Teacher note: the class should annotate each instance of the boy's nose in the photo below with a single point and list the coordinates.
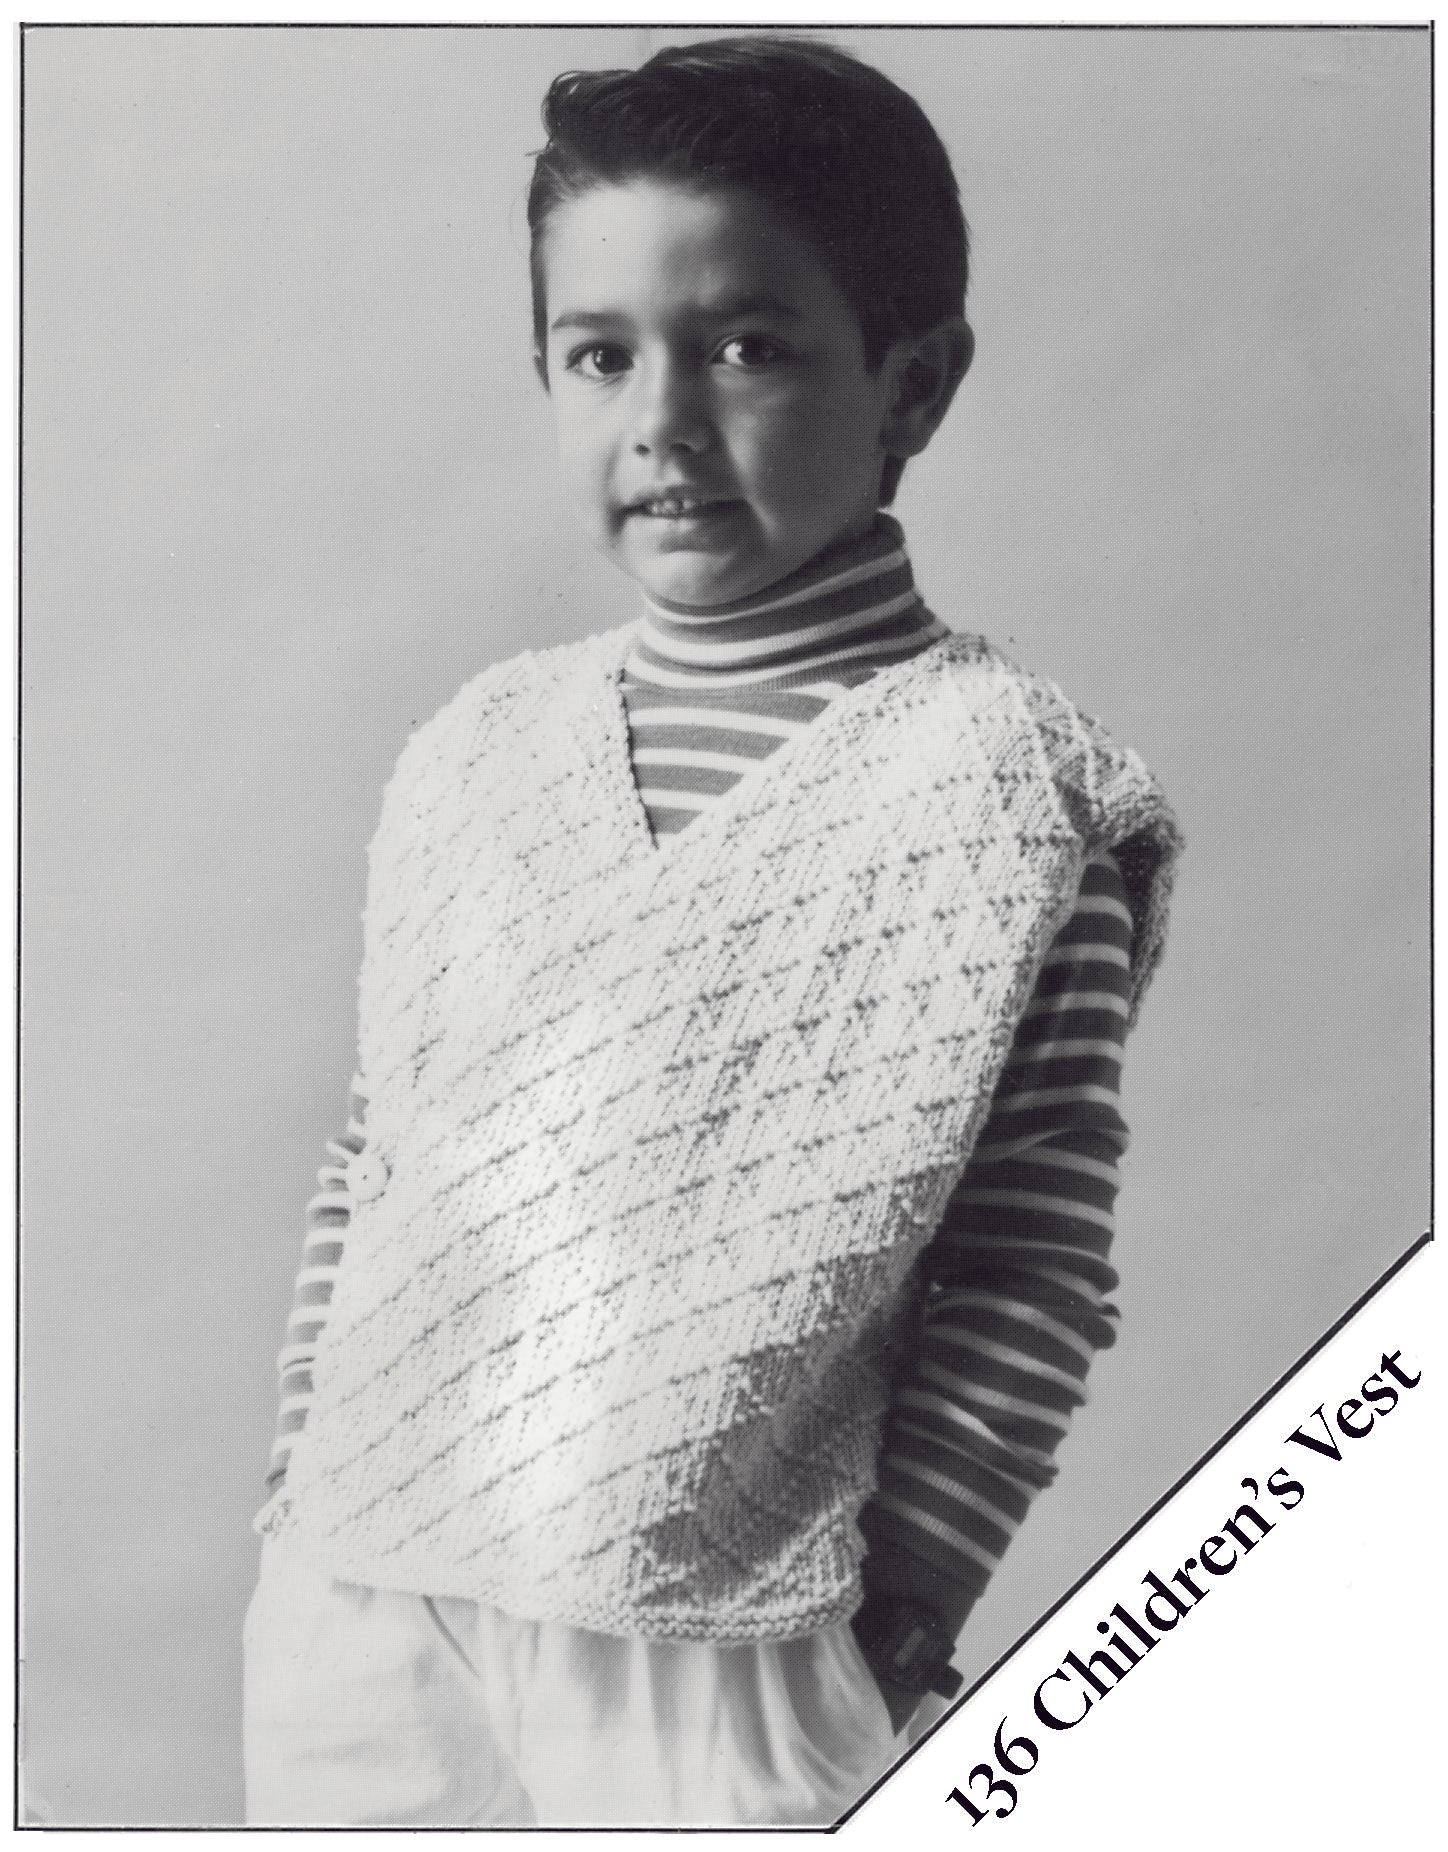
(670, 415)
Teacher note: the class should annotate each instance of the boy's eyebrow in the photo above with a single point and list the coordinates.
(725, 310)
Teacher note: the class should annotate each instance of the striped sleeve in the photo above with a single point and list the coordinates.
(328, 1217)
(1018, 1281)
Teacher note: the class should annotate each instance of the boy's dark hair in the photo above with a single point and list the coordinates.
(825, 140)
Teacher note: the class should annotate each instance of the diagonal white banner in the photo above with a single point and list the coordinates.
(1256, 1663)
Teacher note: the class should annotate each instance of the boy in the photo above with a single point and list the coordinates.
(741, 1020)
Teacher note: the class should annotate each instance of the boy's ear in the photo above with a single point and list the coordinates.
(925, 373)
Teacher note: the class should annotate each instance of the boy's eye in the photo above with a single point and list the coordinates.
(604, 360)
(750, 350)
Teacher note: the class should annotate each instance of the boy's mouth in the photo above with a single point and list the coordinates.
(681, 507)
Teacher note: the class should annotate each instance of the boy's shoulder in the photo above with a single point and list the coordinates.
(1079, 750)
(1110, 796)
(490, 694)
(508, 698)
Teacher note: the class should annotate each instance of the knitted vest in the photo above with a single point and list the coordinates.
(665, 1129)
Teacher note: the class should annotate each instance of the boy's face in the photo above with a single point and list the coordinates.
(716, 422)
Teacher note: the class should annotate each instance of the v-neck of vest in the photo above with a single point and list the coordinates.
(617, 758)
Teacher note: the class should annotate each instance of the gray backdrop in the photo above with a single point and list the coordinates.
(287, 483)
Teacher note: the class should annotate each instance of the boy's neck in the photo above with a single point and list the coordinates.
(853, 605)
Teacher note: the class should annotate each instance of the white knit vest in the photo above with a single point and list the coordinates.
(666, 1129)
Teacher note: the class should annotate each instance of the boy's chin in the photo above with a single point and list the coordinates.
(700, 589)
(704, 578)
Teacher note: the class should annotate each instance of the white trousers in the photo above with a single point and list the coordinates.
(369, 1707)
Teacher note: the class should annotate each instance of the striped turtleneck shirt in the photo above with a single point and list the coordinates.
(1016, 1281)
(712, 693)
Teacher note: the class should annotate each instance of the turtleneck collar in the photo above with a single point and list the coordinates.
(856, 599)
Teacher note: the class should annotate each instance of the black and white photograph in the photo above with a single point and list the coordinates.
(724, 841)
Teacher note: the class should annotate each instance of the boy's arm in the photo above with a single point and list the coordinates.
(328, 1217)
(1016, 1298)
